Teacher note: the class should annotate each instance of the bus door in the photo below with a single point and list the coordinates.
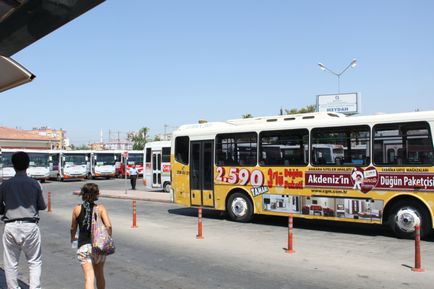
(202, 173)
(156, 169)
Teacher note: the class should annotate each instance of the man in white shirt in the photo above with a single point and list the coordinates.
(133, 176)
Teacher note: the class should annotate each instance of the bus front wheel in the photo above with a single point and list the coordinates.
(405, 215)
(239, 207)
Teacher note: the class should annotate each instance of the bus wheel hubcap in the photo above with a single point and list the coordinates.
(239, 207)
(406, 219)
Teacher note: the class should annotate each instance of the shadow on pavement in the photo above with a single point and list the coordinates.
(3, 281)
(315, 225)
(192, 212)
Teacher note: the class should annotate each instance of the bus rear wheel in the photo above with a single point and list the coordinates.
(405, 215)
(239, 207)
(166, 187)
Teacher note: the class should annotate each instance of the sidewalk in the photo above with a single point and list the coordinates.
(138, 195)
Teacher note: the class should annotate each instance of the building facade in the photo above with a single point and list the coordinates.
(22, 139)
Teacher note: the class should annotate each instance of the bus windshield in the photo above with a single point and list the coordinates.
(136, 159)
(38, 160)
(104, 159)
(75, 159)
(7, 159)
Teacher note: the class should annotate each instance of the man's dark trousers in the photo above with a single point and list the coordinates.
(133, 180)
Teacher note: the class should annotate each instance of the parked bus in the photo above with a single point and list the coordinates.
(156, 172)
(226, 166)
(135, 157)
(103, 164)
(68, 165)
(39, 167)
(7, 169)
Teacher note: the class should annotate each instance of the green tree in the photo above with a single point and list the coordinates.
(247, 115)
(157, 138)
(308, 108)
(139, 138)
(81, 147)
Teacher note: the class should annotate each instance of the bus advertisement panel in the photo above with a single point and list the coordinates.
(365, 169)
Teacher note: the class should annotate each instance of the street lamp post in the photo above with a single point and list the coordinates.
(352, 64)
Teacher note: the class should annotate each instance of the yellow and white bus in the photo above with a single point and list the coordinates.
(367, 169)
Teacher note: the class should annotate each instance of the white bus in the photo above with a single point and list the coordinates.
(38, 166)
(103, 164)
(135, 158)
(376, 169)
(156, 168)
(7, 169)
(68, 165)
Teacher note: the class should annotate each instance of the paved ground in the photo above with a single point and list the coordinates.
(162, 253)
(139, 195)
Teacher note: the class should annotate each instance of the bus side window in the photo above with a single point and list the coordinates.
(400, 157)
(182, 149)
(236, 149)
(402, 143)
(391, 157)
(284, 147)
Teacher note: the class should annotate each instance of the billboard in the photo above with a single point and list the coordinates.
(346, 103)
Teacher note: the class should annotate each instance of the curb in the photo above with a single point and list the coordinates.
(129, 197)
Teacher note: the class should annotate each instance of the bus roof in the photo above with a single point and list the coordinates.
(297, 121)
(25, 150)
(157, 144)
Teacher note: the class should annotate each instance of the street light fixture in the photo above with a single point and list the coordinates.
(352, 64)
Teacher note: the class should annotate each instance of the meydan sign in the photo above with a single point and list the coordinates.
(346, 103)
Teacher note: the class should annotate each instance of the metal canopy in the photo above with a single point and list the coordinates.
(23, 22)
(12, 74)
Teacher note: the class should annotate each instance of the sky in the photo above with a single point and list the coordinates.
(159, 64)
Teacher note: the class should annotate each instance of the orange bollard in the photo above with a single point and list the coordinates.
(199, 224)
(134, 215)
(417, 262)
(49, 203)
(290, 248)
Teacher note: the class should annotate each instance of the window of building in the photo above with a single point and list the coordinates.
(403, 144)
(284, 148)
(341, 146)
(237, 149)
